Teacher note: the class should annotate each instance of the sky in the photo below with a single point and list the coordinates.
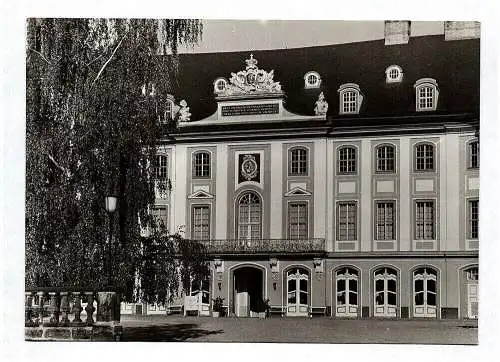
(235, 35)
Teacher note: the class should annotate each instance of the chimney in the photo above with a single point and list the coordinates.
(397, 32)
(457, 30)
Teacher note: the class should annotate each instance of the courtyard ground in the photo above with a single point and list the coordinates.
(296, 330)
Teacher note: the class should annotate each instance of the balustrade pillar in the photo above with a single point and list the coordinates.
(40, 308)
(77, 307)
(89, 308)
(54, 308)
(28, 308)
(65, 309)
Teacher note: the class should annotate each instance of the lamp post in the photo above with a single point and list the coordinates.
(111, 202)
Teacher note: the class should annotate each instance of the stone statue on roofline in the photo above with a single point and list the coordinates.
(184, 114)
(321, 105)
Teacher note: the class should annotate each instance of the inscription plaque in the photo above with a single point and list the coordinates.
(250, 109)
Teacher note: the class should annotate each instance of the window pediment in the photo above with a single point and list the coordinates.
(200, 194)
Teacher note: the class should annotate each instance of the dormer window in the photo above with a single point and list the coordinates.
(394, 74)
(426, 93)
(312, 80)
(350, 98)
(169, 111)
(220, 85)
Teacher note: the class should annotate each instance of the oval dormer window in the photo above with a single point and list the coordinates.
(312, 80)
(220, 85)
(394, 74)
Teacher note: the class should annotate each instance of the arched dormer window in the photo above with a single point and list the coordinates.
(350, 98)
(426, 94)
(393, 74)
(220, 85)
(297, 162)
(312, 80)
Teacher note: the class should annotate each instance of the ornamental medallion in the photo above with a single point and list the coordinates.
(249, 167)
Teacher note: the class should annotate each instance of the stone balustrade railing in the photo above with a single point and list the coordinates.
(56, 314)
(59, 308)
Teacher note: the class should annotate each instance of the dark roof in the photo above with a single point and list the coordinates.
(453, 64)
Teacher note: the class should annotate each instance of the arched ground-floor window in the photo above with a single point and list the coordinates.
(297, 291)
(346, 292)
(385, 292)
(425, 292)
(470, 292)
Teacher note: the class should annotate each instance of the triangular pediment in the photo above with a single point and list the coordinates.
(200, 194)
(297, 191)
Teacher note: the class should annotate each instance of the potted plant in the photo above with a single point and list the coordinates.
(217, 307)
(263, 308)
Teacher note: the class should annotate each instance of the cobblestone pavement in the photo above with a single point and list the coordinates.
(297, 330)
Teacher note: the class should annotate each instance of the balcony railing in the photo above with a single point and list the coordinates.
(265, 246)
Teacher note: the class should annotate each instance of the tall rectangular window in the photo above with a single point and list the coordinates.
(201, 164)
(161, 167)
(424, 157)
(298, 162)
(424, 220)
(385, 158)
(473, 216)
(349, 102)
(346, 221)
(201, 223)
(425, 98)
(347, 160)
(160, 218)
(474, 155)
(297, 221)
(385, 217)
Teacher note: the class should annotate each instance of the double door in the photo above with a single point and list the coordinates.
(297, 292)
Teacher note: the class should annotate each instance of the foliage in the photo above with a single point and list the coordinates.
(217, 305)
(94, 95)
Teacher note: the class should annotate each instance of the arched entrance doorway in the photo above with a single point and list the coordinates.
(248, 289)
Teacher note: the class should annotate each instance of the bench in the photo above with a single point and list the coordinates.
(321, 311)
(277, 309)
(178, 309)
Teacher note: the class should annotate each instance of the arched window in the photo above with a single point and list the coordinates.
(426, 93)
(249, 216)
(385, 158)
(385, 292)
(350, 98)
(201, 165)
(161, 168)
(424, 292)
(346, 160)
(424, 157)
(346, 289)
(297, 165)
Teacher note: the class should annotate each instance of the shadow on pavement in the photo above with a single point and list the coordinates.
(165, 333)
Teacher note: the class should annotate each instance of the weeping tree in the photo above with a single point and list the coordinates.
(95, 90)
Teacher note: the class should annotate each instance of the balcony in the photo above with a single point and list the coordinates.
(265, 246)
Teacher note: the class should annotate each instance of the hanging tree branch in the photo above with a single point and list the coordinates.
(40, 54)
(105, 64)
(64, 170)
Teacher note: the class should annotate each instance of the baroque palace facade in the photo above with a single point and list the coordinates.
(344, 182)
